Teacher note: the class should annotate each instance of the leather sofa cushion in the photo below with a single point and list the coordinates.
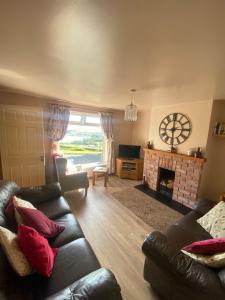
(203, 206)
(189, 219)
(178, 236)
(37, 194)
(55, 208)
(73, 261)
(71, 232)
(186, 231)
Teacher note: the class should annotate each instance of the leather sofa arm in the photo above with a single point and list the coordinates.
(38, 194)
(157, 249)
(203, 206)
(98, 285)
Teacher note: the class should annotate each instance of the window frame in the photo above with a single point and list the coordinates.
(83, 122)
(83, 119)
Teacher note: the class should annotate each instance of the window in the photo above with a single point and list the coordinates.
(83, 143)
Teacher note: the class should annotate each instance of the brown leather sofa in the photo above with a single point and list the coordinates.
(77, 273)
(174, 275)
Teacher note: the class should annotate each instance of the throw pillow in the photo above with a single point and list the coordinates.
(39, 221)
(20, 203)
(15, 256)
(37, 250)
(213, 261)
(214, 221)
(210, 246)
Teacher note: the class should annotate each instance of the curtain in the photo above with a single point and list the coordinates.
(107, 128)
(57, 123)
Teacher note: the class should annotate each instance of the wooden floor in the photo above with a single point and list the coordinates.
(116, 236)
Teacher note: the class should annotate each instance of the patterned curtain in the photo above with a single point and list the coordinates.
(58, 122)
(58, 119)
(107, 128)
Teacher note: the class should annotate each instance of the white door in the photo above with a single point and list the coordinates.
(22, 144)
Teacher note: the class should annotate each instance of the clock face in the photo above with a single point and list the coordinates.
(175, 129)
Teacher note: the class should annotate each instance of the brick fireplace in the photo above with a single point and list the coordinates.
(187, 170)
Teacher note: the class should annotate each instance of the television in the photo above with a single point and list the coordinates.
(129, 151)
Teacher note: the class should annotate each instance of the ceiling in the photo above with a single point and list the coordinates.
(94, 51)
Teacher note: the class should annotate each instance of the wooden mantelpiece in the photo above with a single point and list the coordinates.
(187, 170)
(183, 156)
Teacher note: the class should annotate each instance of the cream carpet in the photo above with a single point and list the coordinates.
(151, 211)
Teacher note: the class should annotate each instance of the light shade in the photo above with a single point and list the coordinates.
(130, 113)
(131, 109)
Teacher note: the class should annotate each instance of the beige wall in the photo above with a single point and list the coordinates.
(199, 114)
(141, 128)
(122, 130)
(213, 179)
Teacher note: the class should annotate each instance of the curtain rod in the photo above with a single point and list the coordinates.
(84, 108)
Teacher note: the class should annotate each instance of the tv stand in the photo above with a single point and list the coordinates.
(129, 168)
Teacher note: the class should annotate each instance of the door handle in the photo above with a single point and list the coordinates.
(42, 157)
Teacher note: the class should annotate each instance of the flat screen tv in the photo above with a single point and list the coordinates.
(129, 151)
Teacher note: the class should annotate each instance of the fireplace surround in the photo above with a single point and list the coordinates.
(187, 170)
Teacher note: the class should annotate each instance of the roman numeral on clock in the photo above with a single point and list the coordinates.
(178, 140)
(166, 139)
(168, 118)
(184, 123)
(175, 117)
(183, 136)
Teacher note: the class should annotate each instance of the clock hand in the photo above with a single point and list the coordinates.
(173, 131)
(174, 128)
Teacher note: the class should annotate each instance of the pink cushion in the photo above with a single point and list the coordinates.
(210, 246)
(36, 250)
(39, 221)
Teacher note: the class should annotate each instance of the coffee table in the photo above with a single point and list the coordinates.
(100, 172)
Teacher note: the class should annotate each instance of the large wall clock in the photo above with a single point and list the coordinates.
(175, 129)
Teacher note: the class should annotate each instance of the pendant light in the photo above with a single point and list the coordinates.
(131, 109)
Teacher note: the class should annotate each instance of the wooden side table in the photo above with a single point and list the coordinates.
(100, 171)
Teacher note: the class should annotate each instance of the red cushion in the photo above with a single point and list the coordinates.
(10, 212)
(210, 246)
(39, 221)
(36, 250)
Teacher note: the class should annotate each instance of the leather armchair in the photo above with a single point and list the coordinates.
(72, 181)
(174, 275)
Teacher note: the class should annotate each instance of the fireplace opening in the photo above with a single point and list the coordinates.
(165, 182)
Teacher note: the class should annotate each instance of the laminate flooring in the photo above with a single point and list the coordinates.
(116, 235)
